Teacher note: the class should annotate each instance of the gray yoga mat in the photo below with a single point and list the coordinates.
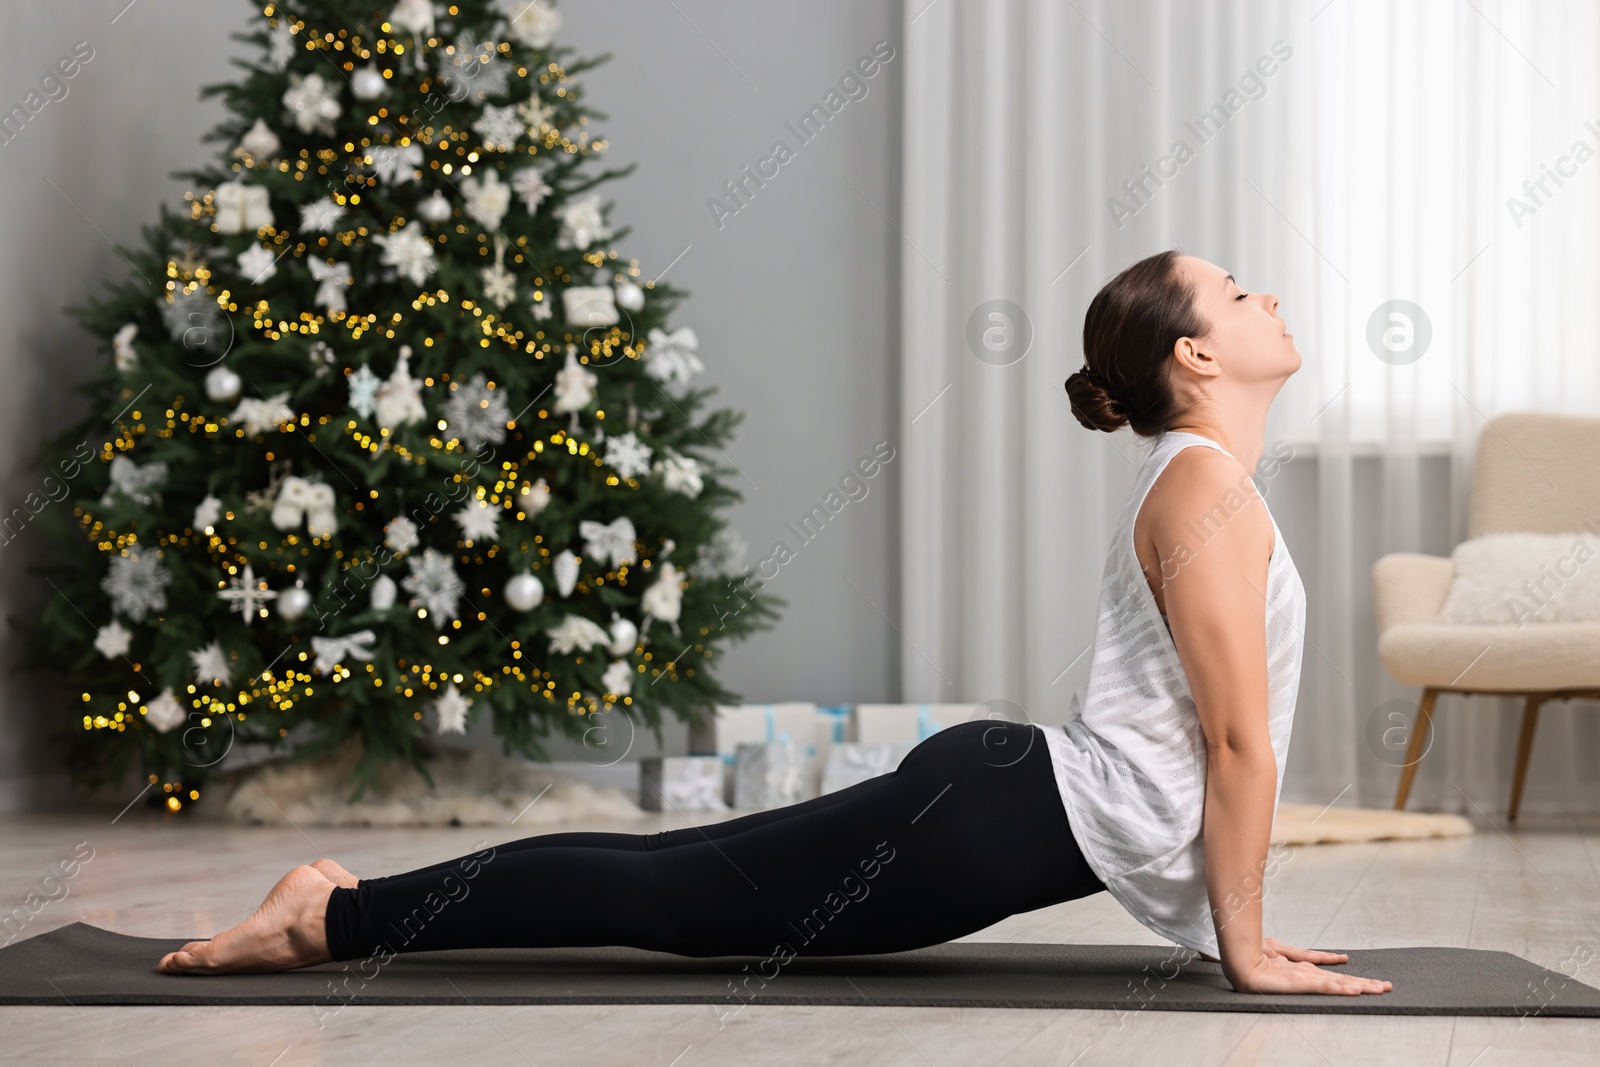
(82, 964)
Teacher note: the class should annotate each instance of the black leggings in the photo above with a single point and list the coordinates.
(968, 830)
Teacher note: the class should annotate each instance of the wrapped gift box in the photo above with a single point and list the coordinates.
(813, 727)
(681, 783)
(769, 774)
(735, 723)
(835, 724)
(851, 762)
(878, 723)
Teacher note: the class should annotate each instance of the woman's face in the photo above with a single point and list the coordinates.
(1246, 335)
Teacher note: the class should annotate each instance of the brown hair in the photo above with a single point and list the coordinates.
(1129, 331)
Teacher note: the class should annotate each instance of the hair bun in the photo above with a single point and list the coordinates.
(1092, 403)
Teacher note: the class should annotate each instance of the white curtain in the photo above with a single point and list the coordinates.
(1342, 155)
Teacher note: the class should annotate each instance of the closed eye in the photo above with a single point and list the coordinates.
(1241, 296)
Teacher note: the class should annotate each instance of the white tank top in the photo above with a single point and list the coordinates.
(1130, 761)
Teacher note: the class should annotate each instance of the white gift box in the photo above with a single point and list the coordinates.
(769, 774)
(914, 723)
(736, 723)
(681, 783)
(811, 726)
(852, 762)
(589, 305)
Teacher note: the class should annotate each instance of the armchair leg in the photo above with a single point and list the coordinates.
(1415, 748)
(1530, 720)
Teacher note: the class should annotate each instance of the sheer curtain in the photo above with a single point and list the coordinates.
(1435, 161)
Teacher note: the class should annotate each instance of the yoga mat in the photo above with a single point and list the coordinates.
(82, 964)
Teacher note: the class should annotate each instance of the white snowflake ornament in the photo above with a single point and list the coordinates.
(499, 127)
(257, 264)
(164, 712)
(281, 45)
(478, 522)
(312, 102)
(575, 631)
(618, 678)
(400, 535)
(396, 164)
(581, 222)
(364, 386)
(409, 252)
(627, 455)
(247, 594)
(320, 215)
(531, 22)
(434, 585)
(451, 709)
(476, 413)
(470, 67)
(136, 584)
(211, 665)
(529, 184)
(536, 113)
(680, 473)
(113, 640)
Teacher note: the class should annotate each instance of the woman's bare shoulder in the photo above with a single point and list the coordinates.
(1199, 493)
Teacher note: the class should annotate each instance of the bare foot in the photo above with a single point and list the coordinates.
(287, 931)
(336, 874)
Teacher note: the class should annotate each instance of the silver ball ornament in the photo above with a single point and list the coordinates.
(629, 296)
(435, 209)
(624, 635)
(222, 384)
(368, 84)
(293, 602)
(524, 592)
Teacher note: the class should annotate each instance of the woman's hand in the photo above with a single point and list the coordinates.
(1286, 969)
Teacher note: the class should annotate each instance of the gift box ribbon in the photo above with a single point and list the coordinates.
(840, 713)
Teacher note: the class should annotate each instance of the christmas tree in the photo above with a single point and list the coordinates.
(388, 437)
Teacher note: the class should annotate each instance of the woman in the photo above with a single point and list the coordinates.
(1160, 788)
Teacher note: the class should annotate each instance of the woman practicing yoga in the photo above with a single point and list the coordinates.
(1159, 789)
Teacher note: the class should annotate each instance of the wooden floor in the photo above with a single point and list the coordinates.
(1533, 890)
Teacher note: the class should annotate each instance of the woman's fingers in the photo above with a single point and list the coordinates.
(1273, 947)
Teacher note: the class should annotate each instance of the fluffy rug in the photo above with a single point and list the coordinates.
(472, 787)
(1310, 824)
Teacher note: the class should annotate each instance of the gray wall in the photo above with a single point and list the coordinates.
(794, 297)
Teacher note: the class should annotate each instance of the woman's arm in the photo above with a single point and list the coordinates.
(1214, 591)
